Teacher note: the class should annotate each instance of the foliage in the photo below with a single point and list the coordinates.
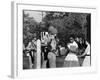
(68, 24)
(29, 28)
(64, 24)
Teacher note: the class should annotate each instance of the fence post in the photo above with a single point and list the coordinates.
(38, 57)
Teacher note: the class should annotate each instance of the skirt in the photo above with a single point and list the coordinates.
(71, 60)
(86, 61)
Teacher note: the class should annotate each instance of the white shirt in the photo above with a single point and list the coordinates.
(53, 44)
(87, 50)
(72, 44)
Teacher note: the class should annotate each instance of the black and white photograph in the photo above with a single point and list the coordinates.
(55, 39)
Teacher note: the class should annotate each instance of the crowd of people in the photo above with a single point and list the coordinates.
(76, 51)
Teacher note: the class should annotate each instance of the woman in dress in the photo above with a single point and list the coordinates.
(81, 48)
(87, 59)
(71, 59)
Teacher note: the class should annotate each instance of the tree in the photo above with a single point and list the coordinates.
(29, 28)
(68, 23)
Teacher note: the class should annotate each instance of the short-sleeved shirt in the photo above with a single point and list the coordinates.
(73, 46)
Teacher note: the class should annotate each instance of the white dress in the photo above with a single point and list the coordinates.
(86, 61)
(71, 59)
